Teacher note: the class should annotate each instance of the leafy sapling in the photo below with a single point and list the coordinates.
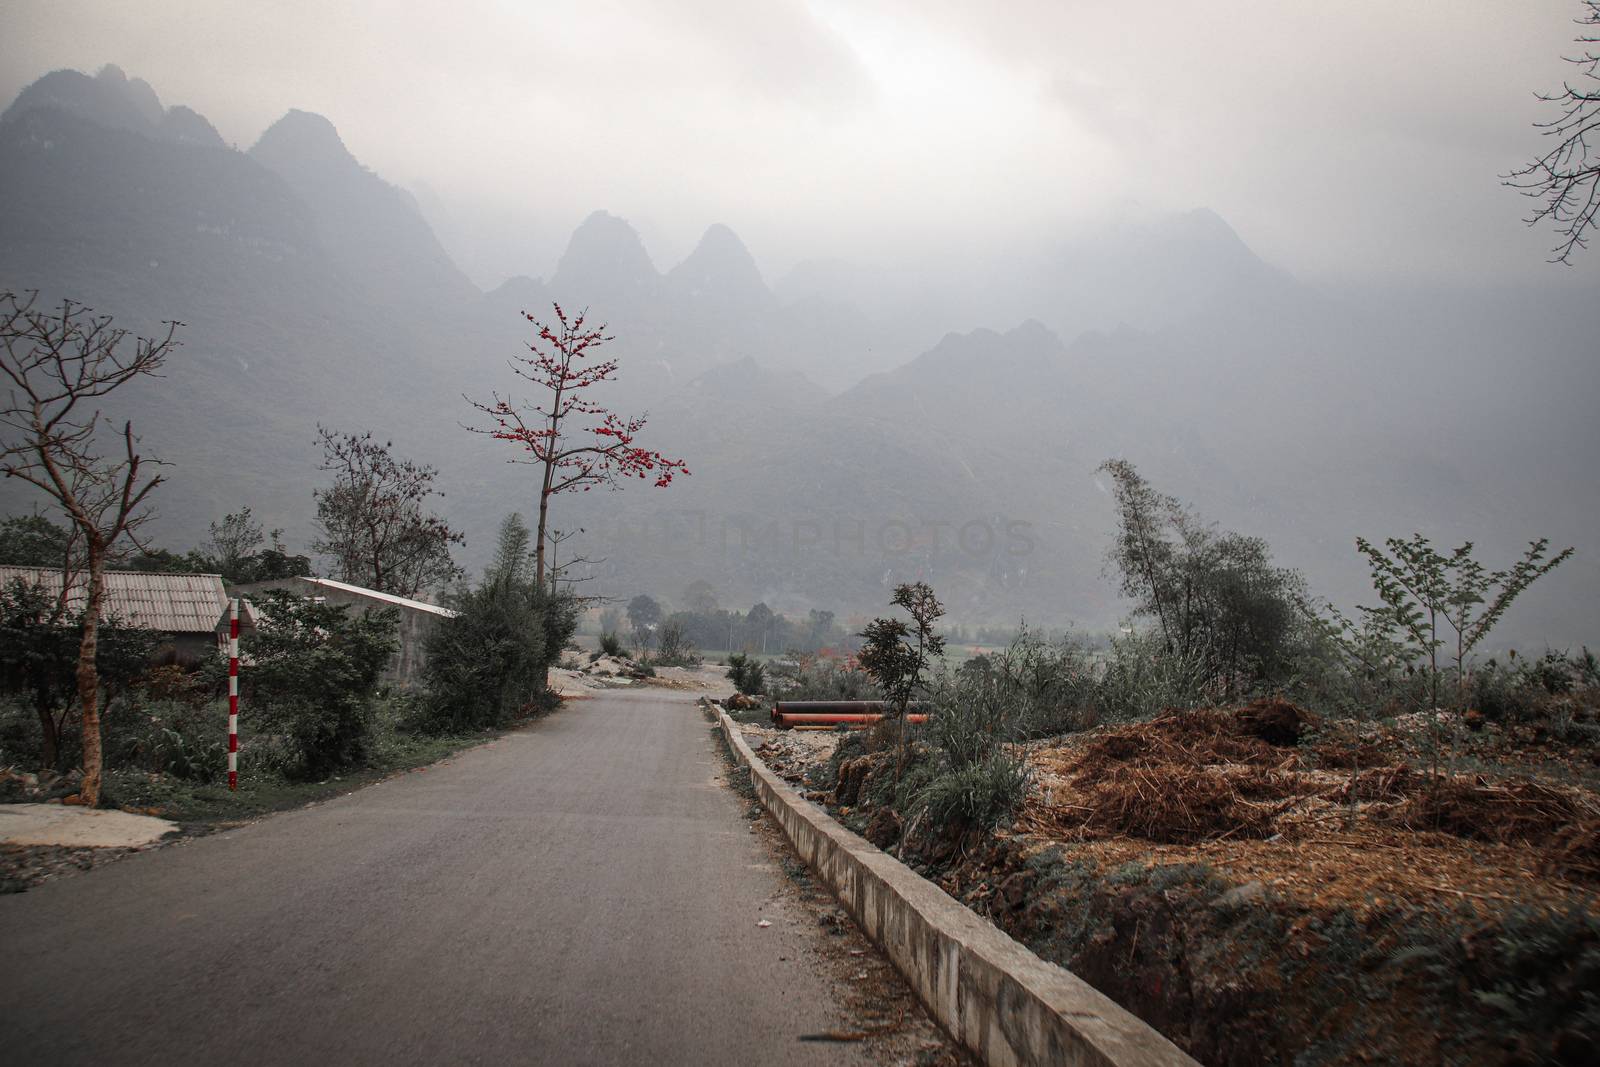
(897, 656)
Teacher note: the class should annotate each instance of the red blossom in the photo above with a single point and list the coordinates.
(599, 453)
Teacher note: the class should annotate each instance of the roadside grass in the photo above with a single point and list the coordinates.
(263, 791)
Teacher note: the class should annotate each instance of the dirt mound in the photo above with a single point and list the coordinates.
(1255, 735)
(1275, 721)
(1176, 803)
(1515, 812)
(1379, 783)
(1343, 754)
(1186, 776)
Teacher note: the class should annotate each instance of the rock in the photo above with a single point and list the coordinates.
(1241, 896)
(853, 774)
(1013, 892)
(883, 829)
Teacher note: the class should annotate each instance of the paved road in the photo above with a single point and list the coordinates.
(581, 891)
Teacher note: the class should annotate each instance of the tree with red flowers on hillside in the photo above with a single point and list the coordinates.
(577, 443)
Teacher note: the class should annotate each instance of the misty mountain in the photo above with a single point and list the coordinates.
(720, 273)
(373, 230)
(847, 427)
(114, 100)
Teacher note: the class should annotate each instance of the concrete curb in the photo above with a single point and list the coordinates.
(994, 996)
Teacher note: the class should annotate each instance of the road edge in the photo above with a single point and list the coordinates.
(991, 993)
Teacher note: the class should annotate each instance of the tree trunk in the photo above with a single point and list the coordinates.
(89, 681)
(50, 749)
(544, 517)
(538, 565)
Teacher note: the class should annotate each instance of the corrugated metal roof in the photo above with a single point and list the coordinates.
(171, 603)
(386, 598)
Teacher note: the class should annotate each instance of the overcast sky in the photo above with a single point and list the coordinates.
(1356, 138)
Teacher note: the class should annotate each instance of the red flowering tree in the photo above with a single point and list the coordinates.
(577, 443)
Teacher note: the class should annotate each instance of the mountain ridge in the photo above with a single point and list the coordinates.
(834, 451)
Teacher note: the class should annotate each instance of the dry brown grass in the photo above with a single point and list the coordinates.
(1213, 778)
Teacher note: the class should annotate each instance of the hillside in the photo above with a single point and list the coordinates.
(837, 445)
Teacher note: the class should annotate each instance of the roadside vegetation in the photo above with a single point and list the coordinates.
(93, 712)
(316, 714)
(1275, 833)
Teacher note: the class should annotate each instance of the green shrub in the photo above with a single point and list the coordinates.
(19, 733)
(981, 794)
(183, 738)
(1142, 678)
(558, 614)
(312, 676)
(1037, 688)
(611, 644)
(818, 678)
(1526, 689)
(1218, 602)
(39, 662)
(673, 647)
(747, 674)
(486, 667)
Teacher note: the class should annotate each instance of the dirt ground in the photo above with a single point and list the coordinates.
(1204, 787)
(578, 675)
(1267, 888)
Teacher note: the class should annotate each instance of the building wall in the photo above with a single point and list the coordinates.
(405, 666)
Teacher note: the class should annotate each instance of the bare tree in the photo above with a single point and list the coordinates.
(558, 569)
(1565, 180)
(57, 365)
(372, 520)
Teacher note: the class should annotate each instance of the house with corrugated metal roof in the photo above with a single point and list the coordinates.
(184, 608)
(417, 617)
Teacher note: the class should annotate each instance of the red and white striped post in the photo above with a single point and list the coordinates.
(233, 693)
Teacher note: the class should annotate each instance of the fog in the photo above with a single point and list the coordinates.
(1352, 141)
(1168, 402)
(886, 267)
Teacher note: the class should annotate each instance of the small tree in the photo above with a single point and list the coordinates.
(897, 656)
(1420, 588)
(1216, 596)
(570, 459)
(673, 647)
(643, 615)
(234, 540)
(488, 664)
(57, 366)
(1565, 180)
(747, 674)
(314, 671)
(35, 541)
(1142, 552)
(372, 521)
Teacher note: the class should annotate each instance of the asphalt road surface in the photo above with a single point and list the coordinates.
(582, 891)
